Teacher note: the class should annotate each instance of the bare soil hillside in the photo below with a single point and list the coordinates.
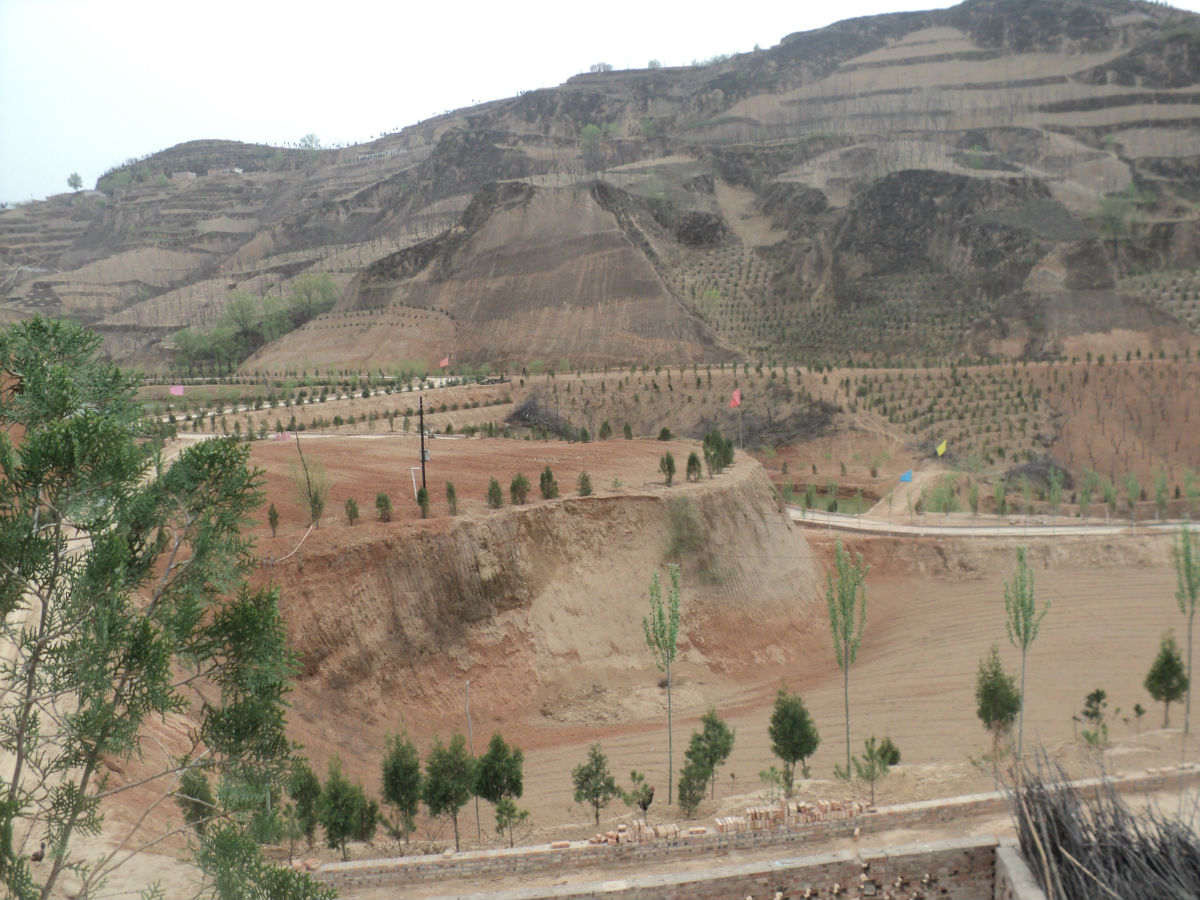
(562, 274)
(540, 609)
(978, 181)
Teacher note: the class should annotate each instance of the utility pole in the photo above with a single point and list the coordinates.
(471, 739)
(424, 453)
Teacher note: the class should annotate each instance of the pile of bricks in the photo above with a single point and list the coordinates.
(732, 824)
(788, 814)
(638, 833)
(822, 810)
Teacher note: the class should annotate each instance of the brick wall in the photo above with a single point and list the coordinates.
(952, 870)
(578, 855)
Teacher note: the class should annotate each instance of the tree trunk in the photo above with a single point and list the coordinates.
(670, 740)
(846, 697)
(1187, 703)
(1021, 713)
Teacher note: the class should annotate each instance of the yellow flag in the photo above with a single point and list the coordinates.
(941, 448)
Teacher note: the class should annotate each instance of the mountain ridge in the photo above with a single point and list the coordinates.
(888, 186)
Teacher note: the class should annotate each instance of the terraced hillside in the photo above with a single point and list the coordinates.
(1004, 177)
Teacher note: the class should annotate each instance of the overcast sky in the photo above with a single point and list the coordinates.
(86, 84)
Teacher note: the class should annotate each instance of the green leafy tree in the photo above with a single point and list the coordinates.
(401, 777)
(793, 734)
(74, 182)
(498, 773)
(1167, 680)
(547, 484)
(874, 764)
(1162, 496)
(195, 799)
(1054, 491)
(1187, 570)
(518, 489)
(235, 867)
(495, 497)
(449, 777)
(423, 502)
(693, 779)
(344, 810)
(304, 787)
(1111, 499)
(584, 484)
(1090, 482)
(605, 430)
(889, 752)
(640, 793)
(351, 510)
(499, 778)
(710, 747)
(661, 629)
(718, 452)
(694, 470)
(627, 431)
(508, 817)
(997, 699)
(273, 519)
(451, 498)
(383, 507)
(592, 143)
(666, 465)
(846, 597)
(312, 486)
(311, 295)
(594, 784)
(1133, 493)
(1022, 621)
(123, 599)
(1095, 710)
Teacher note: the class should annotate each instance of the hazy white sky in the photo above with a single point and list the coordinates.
(85, 84)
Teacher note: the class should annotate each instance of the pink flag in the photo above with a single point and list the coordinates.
(177, 390)
(736, 399)
(445, 362)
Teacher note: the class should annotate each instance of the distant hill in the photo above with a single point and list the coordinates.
(1004, 177)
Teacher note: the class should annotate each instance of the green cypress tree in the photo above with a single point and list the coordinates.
(401, 779)
(996, 697)
(794, 736)
(449, 777)
(1167, 679)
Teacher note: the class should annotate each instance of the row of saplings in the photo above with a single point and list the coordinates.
(794, 738)
(451, 776)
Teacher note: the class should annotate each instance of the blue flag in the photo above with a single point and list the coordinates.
(907, 476)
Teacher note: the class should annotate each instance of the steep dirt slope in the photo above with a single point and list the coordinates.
(540, 607)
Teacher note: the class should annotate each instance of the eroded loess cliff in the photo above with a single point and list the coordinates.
(535, 606)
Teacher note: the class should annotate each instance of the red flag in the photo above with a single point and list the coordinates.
(177, 390)
(736, 399)
(445, 362)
